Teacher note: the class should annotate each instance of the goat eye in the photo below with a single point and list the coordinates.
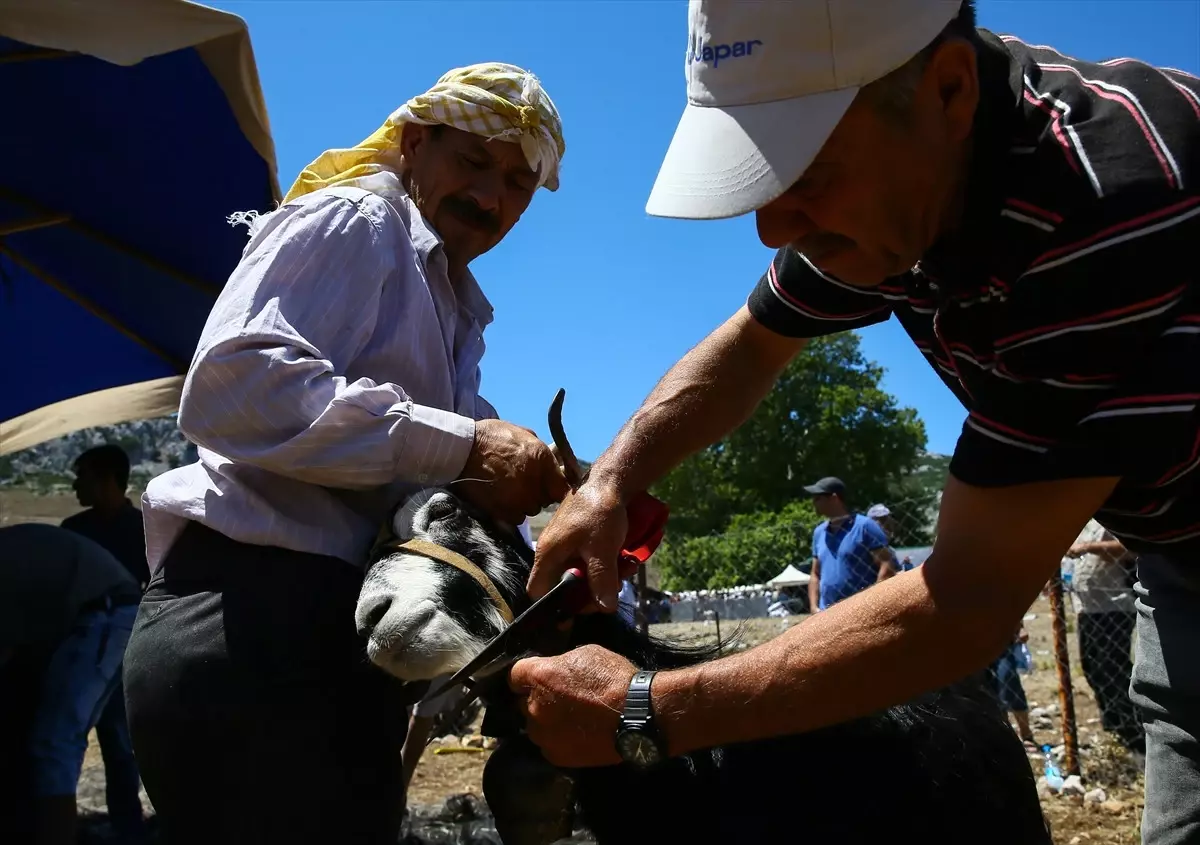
(440, 508)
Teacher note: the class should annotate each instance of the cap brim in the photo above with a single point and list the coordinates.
(815, 490)
(724, 162)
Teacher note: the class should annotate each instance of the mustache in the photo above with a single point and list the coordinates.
(471, 214)
(818, 244)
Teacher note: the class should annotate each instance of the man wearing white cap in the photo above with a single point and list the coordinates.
(338, 373)
(1030, 219)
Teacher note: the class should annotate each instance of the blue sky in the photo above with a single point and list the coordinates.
(591, 293)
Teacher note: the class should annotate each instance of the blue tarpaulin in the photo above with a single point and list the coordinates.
(114, 198)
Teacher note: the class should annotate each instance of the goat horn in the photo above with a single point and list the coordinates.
(566, 454)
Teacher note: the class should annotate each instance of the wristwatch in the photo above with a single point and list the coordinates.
(638, 741)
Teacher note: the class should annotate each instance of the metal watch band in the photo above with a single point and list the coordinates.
(637, 698)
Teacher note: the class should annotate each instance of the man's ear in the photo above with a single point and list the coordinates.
(954, 73)
(412, 138)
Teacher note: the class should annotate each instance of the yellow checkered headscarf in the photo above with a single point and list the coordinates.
(495, 100)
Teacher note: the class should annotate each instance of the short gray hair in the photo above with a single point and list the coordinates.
(892, 95)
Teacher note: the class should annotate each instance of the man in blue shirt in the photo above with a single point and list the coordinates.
(850, 551)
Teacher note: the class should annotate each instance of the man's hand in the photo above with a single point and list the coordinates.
(573, 703)
(589, 527)
(510, 473)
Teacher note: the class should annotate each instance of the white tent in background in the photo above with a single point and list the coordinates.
(790, 577)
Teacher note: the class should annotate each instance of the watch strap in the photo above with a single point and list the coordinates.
(638, 708)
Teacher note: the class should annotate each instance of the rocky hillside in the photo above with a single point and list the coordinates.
(154, 446)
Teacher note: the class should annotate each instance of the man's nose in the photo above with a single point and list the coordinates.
(779, 226)
(486, 193)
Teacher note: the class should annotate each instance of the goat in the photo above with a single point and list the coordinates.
(946, 767)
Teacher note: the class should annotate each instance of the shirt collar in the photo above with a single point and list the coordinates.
(428, 244)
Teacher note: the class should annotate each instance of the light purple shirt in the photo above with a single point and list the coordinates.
(338, 370)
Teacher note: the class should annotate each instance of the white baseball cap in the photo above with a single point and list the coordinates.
(767, 82)
(878, 511)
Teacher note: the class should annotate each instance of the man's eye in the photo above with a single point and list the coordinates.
(525, 185)
(812, 183)
(473, 163)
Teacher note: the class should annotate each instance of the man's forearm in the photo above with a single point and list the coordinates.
(814, 592)
(872, 651)
(709, 393)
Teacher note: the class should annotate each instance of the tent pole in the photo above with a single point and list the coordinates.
(91, 307)
(113, 244)
(32, 223)
(35, 56)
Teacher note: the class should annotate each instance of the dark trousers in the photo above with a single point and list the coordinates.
(255, 715)
(121, 781)
(1106, 652)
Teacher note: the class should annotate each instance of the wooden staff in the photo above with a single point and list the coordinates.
(1062, 660)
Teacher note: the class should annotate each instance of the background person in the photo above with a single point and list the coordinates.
(850, 551)
(68, 606)
(111, 520)
(1005, 677)
(1102, 591)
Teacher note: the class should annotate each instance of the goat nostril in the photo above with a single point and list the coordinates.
(375, 614)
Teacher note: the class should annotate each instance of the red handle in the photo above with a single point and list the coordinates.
(647, 524)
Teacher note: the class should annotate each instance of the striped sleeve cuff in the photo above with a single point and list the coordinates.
(436, 446)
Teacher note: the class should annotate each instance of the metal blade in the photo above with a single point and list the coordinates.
(491, 652)
(499, 645)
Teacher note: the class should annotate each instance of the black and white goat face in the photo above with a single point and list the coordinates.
(423, 617)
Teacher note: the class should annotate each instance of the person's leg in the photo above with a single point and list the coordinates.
(1091, 650)
(183, 712)
(425, 714)
(121, 780)
(1166, 688)
(256, 716)
(78, 681)
(419, 729)
(20, 690)
(1120, 715)
(1012, 694)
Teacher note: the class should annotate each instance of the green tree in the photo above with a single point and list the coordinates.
(751, 550)
(827, 415)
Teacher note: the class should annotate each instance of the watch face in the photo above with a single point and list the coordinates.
(637, 748)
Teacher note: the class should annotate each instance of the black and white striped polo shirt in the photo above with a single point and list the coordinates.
(1066, 313)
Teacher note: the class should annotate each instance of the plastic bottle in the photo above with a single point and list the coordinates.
(1054, 778)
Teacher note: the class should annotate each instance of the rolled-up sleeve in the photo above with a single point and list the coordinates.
(795, 299)
(267, 384)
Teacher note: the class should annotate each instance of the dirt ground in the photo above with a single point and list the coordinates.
(25, 506)
(443, 773)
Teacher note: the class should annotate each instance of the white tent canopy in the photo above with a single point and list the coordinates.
(790, 577)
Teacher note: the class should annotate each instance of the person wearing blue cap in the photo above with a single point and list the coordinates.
(850, 551)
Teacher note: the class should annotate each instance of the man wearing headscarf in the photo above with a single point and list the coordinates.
(338, 371)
